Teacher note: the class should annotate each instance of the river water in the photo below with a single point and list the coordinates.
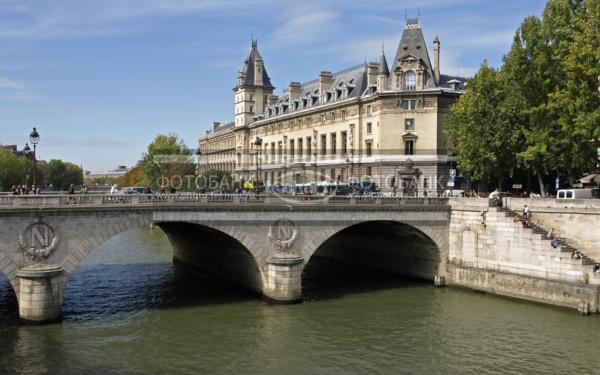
(129, 309)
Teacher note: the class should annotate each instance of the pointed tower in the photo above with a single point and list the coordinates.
(382, 72)
(412, 69)
(252, 89)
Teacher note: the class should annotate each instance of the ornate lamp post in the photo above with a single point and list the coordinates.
(34, 137)
(198, 154)
(257, 147)
(314, 148)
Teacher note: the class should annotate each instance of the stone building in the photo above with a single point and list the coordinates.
(371, 121)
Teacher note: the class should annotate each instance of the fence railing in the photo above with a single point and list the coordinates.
(200, 199)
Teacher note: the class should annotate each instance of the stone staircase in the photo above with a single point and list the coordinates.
(566, 251)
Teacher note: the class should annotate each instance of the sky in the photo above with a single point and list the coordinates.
(100, 79)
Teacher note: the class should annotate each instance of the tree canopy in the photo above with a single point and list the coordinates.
(541, 110)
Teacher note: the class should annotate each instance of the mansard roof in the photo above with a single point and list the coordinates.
(413, 44)
(348, 83)
(248, 68)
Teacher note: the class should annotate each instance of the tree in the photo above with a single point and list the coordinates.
(61, 175)
(553, 65)
(167, 163)
(484, 128)
(133, 177)
(14, 170)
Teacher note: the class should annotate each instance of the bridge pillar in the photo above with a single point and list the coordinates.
(41, 293)
(283, 282)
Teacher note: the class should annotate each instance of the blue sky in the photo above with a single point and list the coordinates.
(100, 78)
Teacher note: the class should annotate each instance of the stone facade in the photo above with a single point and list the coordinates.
(489, 250)
(365, 122)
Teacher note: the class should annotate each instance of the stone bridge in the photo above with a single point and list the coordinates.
(263, 243)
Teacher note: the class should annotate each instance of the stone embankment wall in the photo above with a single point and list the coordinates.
(576, 220)
(490, 251)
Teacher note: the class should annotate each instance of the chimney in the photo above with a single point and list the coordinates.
(272, 99)
(258, 71)
(216, 125)
(372, 69)
(325, 81)
(436, 59)
(295, 90)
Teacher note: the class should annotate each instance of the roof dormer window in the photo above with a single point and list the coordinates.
(410, 81)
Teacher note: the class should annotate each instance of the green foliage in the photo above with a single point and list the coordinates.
(167, 158)
(483, 127)
(548, 87)
(14, 170)
(61, 175)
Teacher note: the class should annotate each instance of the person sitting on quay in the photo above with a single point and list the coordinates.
(495, 199)
(553, 241)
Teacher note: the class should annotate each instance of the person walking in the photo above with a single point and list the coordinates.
(71, 189)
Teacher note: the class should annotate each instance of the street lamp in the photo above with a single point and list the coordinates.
(257, 147)
(314, 147)
(34, 137)
(198, 154)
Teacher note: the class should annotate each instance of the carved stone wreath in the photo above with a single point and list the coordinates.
(282, 233)
(38, 241)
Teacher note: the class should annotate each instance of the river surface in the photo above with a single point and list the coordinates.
(129, 309)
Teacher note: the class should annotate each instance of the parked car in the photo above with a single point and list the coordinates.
(136, 190)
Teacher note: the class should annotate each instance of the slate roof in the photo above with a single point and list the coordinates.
(348, 83)
(383, 66)
(248, 68)
(413, 43)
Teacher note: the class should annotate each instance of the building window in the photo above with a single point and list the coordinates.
(343, 113)
(332, 174)
(409, 104)
(343, 141)
(323, 144)
(368, 110)
(409, 124)
(410, 81)
(280, 150)
(425, 184)
(272, 152)
(333, 138)
(291, 149)
(369, 171)
(300, 148)
(308, 146)
(409, 147)
(369, 148)
(251, 109)
(369, 128)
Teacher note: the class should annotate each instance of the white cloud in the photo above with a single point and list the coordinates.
(63, 18)
(305, 28)
(14, 90)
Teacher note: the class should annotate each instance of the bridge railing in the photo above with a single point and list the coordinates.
(208, 199)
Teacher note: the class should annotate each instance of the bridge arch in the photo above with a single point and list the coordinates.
(219, 252)
(8, 268)
(388, 245)
(183, 236)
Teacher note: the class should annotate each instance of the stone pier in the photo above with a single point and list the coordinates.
(283, 282)
(40, 293)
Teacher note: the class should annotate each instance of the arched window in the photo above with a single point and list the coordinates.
(410, 81)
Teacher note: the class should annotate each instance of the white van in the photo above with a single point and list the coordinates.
(577, 194)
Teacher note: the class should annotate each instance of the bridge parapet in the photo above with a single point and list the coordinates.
(202, 199)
